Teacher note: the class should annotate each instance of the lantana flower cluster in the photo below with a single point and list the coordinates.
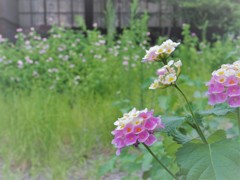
(136, 127)
(224, 85)
(158, 53)
(167, 75)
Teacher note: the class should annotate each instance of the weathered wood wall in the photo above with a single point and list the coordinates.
(64, 12)
(49, 12)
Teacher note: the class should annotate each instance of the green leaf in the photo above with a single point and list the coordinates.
(219, 110)
(219, 160)
(107, 167)
(170, 146)
(179, 137)
(172, 123)
(217, 136)
(147, 162)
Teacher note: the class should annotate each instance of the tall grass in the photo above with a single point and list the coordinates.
(43, 128)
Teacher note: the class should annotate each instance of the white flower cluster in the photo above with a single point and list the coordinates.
(167, 75)
(157, 53)
(228, 70)
(132, 116)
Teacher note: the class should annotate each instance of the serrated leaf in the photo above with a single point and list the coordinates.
(172, 123)
(107, 167)
(219, 110)
(179, 137)
(170, 146)
(147, 162)
(219, 160)
(163, 102)
(217, 136)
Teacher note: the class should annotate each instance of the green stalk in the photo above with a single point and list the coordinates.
(195, 126)
(159, 162)
(238, 119)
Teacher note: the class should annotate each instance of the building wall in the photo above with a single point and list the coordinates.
(8, 18)
(44, 13)
(50, 12)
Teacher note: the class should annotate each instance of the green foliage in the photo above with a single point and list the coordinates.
(110, 18)
(172, 123)
(203, 14)
(219, 110)
(217, 160)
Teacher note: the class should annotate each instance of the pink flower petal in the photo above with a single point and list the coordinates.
(138, 129)
(150, 125)
(146, 115)
(212, 100)
(233, 90)
(130, 139)
(215, 88)
(128, 128)
(117, 133)
(143, 136)
(118, 152)
(118, 142)
(221, 97)
(150, 140)
(234, 101)
(231, 81)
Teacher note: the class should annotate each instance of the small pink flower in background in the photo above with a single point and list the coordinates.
(224, 85)
(20, 64)
(136, 127)
(19, 29)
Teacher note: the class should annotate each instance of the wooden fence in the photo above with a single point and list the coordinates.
(65, 12)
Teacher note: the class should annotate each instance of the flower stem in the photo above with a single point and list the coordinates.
(195, 126)
(238, 118)
(150, 151)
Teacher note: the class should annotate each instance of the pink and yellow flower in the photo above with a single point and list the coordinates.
(224, 86)
(158, 53)
(136, 127)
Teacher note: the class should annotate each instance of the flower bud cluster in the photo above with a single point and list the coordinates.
(167, 75)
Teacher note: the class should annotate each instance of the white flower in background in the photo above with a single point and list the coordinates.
(95, 25)
(28, 60)
(32, 29)
(20, 64)
(71, 66)
(35, 74)
(2, 39)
